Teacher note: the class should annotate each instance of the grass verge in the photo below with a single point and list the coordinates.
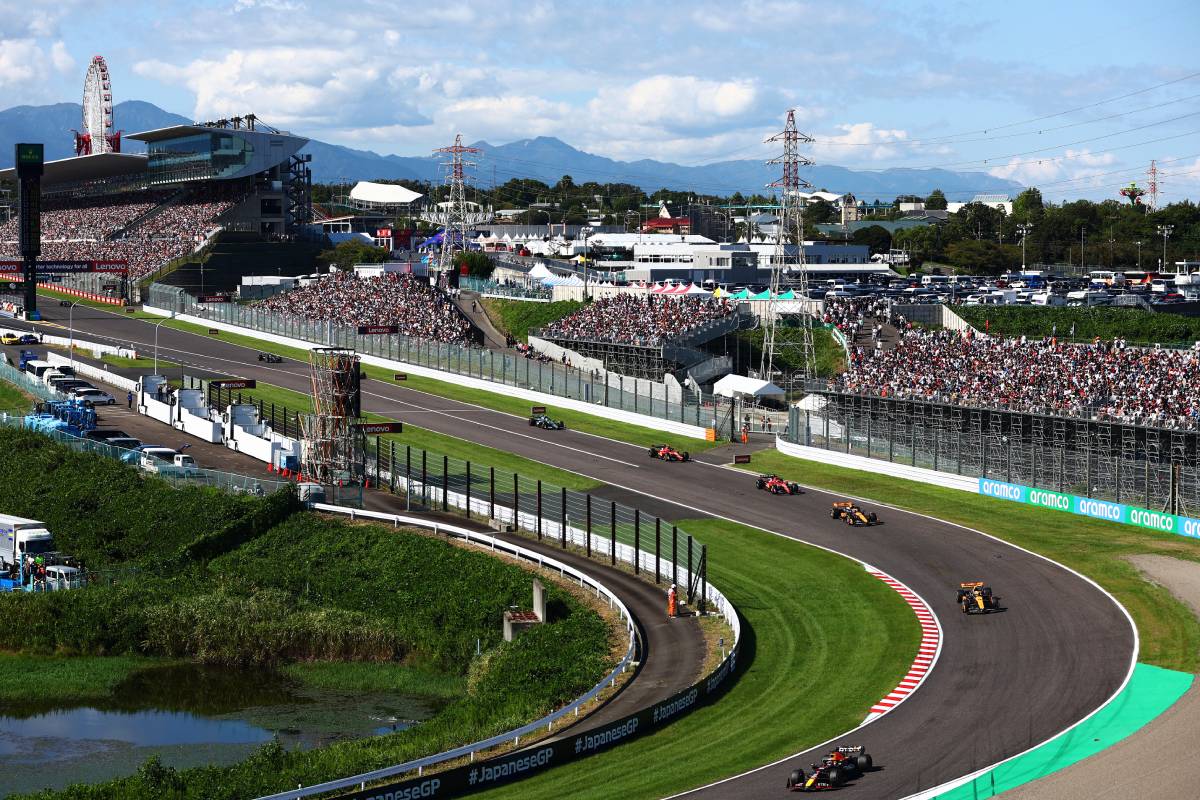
(795, 689)
(69, 680)
(12, 397)
(516, 317)
(1170, 633)
(135, 363)
(371, 677)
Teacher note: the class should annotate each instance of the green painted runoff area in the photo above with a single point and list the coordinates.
(1150, 692)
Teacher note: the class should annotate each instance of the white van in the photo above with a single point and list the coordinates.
(935, 280)
(38, 368)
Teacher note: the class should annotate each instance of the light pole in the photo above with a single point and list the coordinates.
(71, 328)
(1139, 266)
(1024, 228)
(156, 327)
(586, 230)
(1082, 260)
(1165, 230)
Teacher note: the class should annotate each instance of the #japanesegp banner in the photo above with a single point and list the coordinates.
(540, 757)
(1091, 507)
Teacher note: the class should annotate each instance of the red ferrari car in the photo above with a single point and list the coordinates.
(664, 452)
(777, 485)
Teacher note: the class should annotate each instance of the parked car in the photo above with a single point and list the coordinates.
(96, 397)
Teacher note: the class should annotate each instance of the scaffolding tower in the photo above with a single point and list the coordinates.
(333, 447)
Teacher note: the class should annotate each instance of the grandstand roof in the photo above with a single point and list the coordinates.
(86, 168)
(383, 193)
(175, 131)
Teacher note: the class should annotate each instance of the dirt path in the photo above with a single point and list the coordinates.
(1119, 772)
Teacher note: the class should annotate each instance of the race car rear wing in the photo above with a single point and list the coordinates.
(971, 585)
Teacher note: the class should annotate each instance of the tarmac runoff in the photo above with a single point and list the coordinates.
(1105, 758)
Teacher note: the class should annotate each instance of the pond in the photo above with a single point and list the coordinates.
(187, 715)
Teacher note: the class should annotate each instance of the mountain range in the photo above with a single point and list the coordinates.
(543, 158)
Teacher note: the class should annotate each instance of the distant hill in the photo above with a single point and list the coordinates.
(543, 158)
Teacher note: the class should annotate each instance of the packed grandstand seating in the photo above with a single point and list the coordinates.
(1101, 380)
(390, 299)
(646, 321)
(79, 229)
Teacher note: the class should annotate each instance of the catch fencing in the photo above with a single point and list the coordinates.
(1154, 468)
(598, 526)
(500, 368)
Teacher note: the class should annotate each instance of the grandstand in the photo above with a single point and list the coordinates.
(646, 336)
(150, 209)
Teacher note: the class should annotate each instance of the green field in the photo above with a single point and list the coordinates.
(141, 362)
(13, 398)
(1170, 633)
(1135, 324)
(516, 317)
(814, 660)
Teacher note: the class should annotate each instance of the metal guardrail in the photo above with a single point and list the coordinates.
(513, 736)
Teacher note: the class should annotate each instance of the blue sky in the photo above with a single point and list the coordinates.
(877, 85)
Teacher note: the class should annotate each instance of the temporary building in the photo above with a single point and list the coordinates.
(741, 386)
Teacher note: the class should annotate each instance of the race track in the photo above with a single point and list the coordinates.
(1004, 682)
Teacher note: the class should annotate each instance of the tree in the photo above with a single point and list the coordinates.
(875, 237)
(1028, 206)
(984, 256)
(936, 201)
(478, 264)
(351, 252)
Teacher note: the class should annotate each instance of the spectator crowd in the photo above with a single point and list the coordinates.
(79, 229)
(646, 321)
(1101, 380)
(389, 299)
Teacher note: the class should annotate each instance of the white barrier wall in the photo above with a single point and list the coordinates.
(535, 398)
(89, 371)
(95, 348)
(841, 459)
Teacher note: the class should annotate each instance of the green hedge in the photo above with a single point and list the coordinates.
(1135, 324)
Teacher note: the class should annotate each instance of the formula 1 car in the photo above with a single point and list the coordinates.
(976, 598)
(777, 485)
(664, 452)
(851, 514)
(545, 423)
(270, 358)
(841, 765)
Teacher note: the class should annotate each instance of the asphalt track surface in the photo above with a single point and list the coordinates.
(1004, 682)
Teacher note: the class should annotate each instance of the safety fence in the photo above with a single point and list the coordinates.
(177, 476)
(1152, 468)
(600, 527)
(494, 289)
(500, 368)
(26, 382)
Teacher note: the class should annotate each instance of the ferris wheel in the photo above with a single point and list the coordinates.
(97, 135)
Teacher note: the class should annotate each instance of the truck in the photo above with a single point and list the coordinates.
(166, 462)
(20, 537)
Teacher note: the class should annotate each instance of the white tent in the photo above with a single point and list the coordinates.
(694, 289)
(741, 386)
(384, 194)
(540, 272)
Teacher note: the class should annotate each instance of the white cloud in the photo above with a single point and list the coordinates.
(1073, 165)
(27, 65)
(859, 141)
(678, 102)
